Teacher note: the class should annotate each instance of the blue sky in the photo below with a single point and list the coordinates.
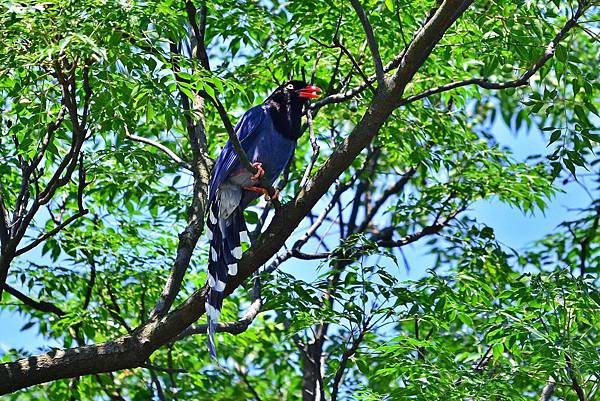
(511, 227)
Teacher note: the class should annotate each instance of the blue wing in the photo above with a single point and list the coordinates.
(245, 130)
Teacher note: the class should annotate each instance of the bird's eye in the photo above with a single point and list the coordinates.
(289, 87)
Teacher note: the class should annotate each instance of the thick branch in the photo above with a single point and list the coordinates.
(42, 306)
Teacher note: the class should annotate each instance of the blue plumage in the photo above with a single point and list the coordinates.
(268, 135)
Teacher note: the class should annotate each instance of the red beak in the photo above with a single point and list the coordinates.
(310, 92)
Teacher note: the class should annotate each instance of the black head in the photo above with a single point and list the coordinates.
(286, 103)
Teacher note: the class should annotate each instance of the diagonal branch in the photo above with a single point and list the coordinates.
(236, 327)
(521, 81)
(42, 306)
(372, 42)
(50, 233)
(394, 189)
(346, 357)
(80, 213)
(434, 228)
(160, 147)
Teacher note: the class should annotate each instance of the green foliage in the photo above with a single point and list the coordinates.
(486, 322)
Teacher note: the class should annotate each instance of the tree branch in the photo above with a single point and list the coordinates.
(42, 306)
(50, 233)
(236, 327)
(315, 148)
(346, 356)
(574, 382)
(548, 390)
(372, 42)
(172, 155)
(188, 238)
(521, 81)
(392, 190)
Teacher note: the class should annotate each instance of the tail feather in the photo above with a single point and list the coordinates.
(225, 251)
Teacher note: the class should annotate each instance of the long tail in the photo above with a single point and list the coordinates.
(226, 231)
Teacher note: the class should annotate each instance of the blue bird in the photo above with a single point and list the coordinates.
(268, 135)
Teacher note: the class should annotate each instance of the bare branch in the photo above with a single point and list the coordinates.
(80, 213)
(429, 230)
(50, 233)
(160, 147)
(373, 46)
(346, 356)
(521, 81)
(42, 306)
(315, 149)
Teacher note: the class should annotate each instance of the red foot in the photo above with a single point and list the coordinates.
(259, 174)
(263, 191)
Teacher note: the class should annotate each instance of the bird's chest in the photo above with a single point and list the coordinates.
(273, 151)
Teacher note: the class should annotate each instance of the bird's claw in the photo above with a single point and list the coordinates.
(263, 191)
(272, 198)
(259, 173)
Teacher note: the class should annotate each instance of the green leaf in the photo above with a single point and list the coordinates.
(390, 5)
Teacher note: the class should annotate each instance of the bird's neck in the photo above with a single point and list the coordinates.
(286, 118)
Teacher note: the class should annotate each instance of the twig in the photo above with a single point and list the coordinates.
(236, 327)
(158, 146)
(400, 24)
(156, 381)
(394, 189)
(429, 230)
(161, 369)
(372, 42)
(51, 233)
(315, 149)
(574, 382)
(521, 81)
(243, 373)
(346, 356)
(91, 282)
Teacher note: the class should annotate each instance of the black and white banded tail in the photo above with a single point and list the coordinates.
(226, 231)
